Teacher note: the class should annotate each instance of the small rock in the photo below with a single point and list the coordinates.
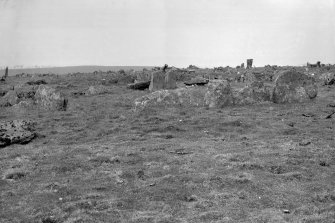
(304, 142)
(308, 114)
(286, 211)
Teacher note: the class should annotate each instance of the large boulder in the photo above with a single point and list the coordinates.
(157, 81)
(255, 92)
(188, 96)
(292, 86)
(16, 131)
(219, 94)
(49, 99)
(9, 99)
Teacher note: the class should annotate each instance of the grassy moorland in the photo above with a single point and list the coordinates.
(100, 161)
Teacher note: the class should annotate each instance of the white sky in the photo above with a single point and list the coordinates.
(154, 32)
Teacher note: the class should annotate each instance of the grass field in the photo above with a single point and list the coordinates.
(100, 161)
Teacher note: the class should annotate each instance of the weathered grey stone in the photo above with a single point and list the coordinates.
(16, 131)
(157, 81)
(170, 80)
(49, 99)
(219, 94)
(292, 86)
(255, 92)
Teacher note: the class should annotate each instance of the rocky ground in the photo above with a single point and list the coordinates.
(99, 160)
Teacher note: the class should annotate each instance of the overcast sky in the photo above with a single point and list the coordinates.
(154, 32)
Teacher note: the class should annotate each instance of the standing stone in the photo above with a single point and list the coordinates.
(318, 64)
(6, 72)
(249, 63)
(157, 80)
(170, 80)
(292, 86)
(242, 65)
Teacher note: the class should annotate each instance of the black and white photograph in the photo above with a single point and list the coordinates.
(167, 111)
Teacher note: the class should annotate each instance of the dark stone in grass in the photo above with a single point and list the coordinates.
(304, 143)
(38, 82)
(15, 175)
(323, 163)
(139, 85)
(16, 132)
(49, 220)
(196, 81)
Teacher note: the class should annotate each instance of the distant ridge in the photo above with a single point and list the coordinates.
(70, 69)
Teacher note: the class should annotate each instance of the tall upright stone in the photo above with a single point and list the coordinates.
(157, 80)
(249, 63)
(242, 65)
(6, 72)
(318, 64)
(170, 80)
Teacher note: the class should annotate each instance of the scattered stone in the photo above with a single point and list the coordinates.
(330, 115)
(304, 142)
(292, 86)
(139, 85)
(49, 99)
(308, 115)
(332, 105)
(16, 132)
(197, 81)
(38, 82)
(291, 124)
(286, 211)
(15, 175)
(219, 94)
(323, 163)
